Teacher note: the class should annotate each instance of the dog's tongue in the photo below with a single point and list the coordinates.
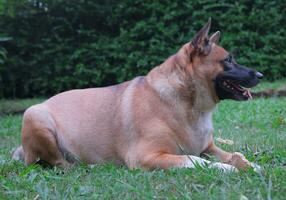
(247, 93)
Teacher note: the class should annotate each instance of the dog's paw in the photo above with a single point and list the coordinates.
(239, 161)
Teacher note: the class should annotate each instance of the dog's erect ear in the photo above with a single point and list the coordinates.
(215, 37)
(201, 40)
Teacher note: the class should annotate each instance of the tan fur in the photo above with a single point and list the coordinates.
(149, 122)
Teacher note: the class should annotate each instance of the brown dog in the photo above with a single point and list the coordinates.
(162, 120)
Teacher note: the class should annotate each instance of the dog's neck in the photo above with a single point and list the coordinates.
(179, 88)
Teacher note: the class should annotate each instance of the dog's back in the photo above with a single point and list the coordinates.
(84, 124)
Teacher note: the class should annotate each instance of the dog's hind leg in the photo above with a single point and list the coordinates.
(43, 146)
(38, 138)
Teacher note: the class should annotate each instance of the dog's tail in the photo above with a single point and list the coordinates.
(18, 154)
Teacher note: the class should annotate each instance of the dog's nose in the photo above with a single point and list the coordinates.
(259, 75)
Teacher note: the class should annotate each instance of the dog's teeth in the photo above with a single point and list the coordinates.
(249, 94)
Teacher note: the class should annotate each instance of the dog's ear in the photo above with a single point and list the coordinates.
(215, 37)
(201, 40)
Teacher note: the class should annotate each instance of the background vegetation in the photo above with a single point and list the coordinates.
(48, 46)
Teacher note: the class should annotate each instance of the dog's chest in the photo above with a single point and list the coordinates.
(200, 133)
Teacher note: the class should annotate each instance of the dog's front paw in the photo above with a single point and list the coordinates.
(239, 161)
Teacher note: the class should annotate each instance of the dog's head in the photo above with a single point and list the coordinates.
(226, 78)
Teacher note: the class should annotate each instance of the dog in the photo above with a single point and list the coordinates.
(161, 120)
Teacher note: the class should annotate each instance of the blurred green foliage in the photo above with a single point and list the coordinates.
(58, 45)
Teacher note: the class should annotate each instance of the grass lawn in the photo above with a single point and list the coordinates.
(258, 129)
(16, 106)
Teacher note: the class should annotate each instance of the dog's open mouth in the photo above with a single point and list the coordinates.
(236, 89)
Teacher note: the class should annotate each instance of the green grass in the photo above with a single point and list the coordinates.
(16, 106)
(268, 85)
(258, 129)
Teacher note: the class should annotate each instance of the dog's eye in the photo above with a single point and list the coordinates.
(228, 59)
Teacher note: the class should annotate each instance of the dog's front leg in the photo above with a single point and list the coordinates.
(165, 161)
(236, 159)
